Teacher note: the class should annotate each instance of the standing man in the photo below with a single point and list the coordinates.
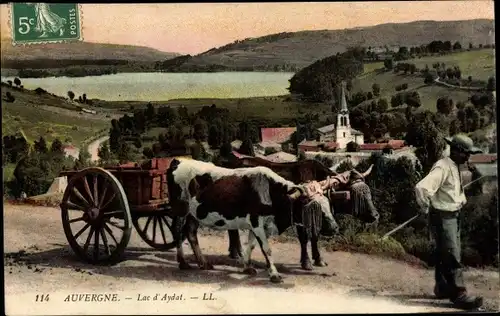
(441, 195)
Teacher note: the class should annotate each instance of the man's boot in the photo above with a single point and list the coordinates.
(466, 302)
(441, 292)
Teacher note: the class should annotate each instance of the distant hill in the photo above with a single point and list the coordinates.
(294, 50)
(82, 51)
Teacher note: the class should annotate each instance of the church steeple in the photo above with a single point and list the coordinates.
(343, 124)
(343, 102)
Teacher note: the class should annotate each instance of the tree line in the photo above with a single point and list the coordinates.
(320, 81)
(36, 165)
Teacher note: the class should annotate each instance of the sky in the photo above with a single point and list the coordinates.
(192, 28)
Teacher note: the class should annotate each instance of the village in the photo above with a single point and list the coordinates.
(340, 143)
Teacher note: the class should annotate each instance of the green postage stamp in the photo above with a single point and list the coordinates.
(45, 22)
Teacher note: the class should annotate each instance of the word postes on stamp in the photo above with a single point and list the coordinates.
(45, 22)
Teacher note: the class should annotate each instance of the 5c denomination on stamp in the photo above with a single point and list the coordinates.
(45, 22)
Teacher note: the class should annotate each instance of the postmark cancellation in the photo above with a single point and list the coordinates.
(38, 23)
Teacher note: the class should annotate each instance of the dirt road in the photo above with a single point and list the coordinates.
(39, 261)
(93, 147)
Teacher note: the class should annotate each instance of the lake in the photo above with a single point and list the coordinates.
(166, 86)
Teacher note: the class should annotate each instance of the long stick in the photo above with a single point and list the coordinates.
(411, 219)
(399, 227)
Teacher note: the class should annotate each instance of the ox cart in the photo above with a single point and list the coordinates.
(100, 206)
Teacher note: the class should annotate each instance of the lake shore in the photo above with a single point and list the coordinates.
(159, 86)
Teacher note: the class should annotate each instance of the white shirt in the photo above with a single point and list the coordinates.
(442, 187)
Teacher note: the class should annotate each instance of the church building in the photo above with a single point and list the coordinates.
(341, 132)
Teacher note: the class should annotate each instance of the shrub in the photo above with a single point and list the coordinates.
(429, 78)
(9, 97)
(326, 161)
(376, 89)
(344, 166)
(40, 91)
(34, 173)
(372, 243)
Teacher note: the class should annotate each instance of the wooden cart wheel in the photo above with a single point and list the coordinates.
(155, 229)
(96, 216)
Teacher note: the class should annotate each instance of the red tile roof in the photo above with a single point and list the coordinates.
(331, 145)
(483, 158)
(377, 146)
(308, 148)
(310, 143)
(396, 143)
(277, 134)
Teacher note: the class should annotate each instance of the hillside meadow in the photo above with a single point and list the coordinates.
(48, 116)
(295, 50)
(479, 64)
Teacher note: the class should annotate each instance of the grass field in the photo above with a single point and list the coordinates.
(480, 64)
(48, 116)
(258, 107)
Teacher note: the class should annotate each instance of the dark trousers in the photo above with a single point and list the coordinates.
(445, 227)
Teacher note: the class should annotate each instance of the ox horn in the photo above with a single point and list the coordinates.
(367, 172)
(296, 194)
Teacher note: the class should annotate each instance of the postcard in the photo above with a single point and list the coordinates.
(244, 158)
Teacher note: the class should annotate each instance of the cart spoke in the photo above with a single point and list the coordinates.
(96, 245)
(80, 196)
(72, 206)
(103, 196)
(111, 214)
(116, 225)
(155, 221)
(87, 189)
(89, 238)
(109, 201)
(160, 220)
(82, 230)
(74, 220)
(166, 222)
(145, 230)
(96, 194)
(105, 241)
(110, 232)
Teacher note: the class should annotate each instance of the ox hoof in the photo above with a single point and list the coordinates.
(276, 278)
(207, 266)
(250, 271)
(307, 266)
(235, 255)
(184, 266)
(320, 263)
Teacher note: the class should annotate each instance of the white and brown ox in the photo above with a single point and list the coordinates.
(360, 203)
(255, 199)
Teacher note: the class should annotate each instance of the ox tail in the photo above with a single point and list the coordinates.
(312, 218)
